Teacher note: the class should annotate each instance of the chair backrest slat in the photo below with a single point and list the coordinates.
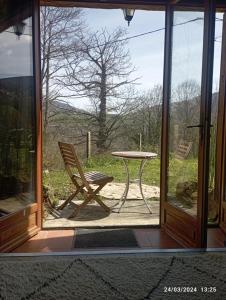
(71, 160)
(183, 149)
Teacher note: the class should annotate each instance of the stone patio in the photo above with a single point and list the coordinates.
(133, 213)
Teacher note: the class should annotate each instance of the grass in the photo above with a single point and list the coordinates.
(115, 167)
(178, 171)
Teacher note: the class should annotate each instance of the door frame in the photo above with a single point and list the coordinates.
(188, 230)
(25, 223)
(221, 140)
(166, 5)
(36, 209)
(38, 97)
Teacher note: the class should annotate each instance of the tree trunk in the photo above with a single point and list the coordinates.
(102, 134)
(46, 107)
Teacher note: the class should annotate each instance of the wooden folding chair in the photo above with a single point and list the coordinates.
(183, 149)
(82, 181)
(181, 153)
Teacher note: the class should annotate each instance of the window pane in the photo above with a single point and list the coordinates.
(185, 110)
(17, 110)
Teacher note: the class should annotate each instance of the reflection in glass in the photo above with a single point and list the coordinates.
(17, 122)
(213, 205)
(185, 110)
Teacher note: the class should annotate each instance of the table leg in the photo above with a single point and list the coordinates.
(125, 193)
(142, 164)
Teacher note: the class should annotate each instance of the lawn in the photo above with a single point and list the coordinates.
(60, 186)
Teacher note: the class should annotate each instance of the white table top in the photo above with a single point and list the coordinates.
(135, 154)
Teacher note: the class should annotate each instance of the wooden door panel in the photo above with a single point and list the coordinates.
(18, 227)
(184, 194)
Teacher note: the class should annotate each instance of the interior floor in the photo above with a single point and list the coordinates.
(155, 238)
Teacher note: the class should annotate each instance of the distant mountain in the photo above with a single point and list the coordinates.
(60, 106)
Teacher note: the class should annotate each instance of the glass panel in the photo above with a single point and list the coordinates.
(185, 110)
(213, 205)
(112, 94)
(17, 109)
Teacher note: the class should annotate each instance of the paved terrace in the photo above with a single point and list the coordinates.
(133, 213)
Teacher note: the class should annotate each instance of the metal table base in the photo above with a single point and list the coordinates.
(128, 181)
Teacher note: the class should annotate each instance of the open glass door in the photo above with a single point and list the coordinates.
(20, 194)
(223, 196)
(223, 192)
(186, 124)
(221, 136)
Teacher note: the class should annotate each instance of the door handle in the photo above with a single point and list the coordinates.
(195, 126)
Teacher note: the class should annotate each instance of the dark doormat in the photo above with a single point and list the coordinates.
(101, 238)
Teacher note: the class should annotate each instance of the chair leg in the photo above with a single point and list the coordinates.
(101, 203)
(77, 209)
(70, 198)
(89, 196)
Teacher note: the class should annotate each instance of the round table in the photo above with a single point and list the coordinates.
(143, 157)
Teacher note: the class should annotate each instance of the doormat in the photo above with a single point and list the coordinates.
(101, 238)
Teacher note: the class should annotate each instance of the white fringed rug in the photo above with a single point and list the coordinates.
(114, 277)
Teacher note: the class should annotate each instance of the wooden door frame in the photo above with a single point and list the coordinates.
(152, 5)
(165, 110)
(35, 210)
(38, 97)
(191, 231)
(166, 5)
(220, 172)
(205, 117)
(136, 4)
(25, 223)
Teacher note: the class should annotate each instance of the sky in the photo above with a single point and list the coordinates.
(16, 54)
(146, 51)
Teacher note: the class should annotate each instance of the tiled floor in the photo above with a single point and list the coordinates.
(216, 238)
(155, 238)
(63, 240)
(49, 241)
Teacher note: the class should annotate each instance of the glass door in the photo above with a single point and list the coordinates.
(185, 140)
(221, 136)
(19, 123)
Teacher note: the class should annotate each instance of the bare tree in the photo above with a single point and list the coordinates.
(148, 118)
(60, 28)
(152, 104)
(186, 106)
(100, 72)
